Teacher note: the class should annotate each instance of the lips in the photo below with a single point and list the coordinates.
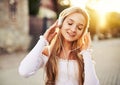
(71, 34)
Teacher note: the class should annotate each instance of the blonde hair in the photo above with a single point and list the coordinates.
(55, 48)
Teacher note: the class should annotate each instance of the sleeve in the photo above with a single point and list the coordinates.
(89, 70)
(34, 60)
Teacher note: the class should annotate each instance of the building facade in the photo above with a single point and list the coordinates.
(14, 25)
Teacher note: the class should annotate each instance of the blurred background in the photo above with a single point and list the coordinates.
(23, 21)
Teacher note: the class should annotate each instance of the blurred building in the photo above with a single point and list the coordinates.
(47, 14)
(14, 25)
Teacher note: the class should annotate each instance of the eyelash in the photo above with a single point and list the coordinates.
(70, 23)
(79, 28)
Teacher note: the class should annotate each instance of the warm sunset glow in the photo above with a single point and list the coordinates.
(101, 6)
(81, 3)
(102, 20)
(106, 5)
(64, 2)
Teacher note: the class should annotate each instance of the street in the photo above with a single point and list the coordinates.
(107, 57)
(106, 54)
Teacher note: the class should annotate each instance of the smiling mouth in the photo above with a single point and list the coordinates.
(70, 34)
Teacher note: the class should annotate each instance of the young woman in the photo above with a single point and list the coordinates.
(64, 51)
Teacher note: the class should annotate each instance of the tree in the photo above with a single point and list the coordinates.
(34, 7)
(113, 23)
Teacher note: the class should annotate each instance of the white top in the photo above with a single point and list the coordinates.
(68, 69)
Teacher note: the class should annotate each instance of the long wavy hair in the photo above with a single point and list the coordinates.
(55, 45)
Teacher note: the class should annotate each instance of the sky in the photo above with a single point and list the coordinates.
(99, 5)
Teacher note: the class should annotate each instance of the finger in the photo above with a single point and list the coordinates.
(52, 28)
(54, 25)
(87, 40)
(52, 36)
(50, 31)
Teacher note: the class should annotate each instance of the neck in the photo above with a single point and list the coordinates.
(67, 45)
(66, 49)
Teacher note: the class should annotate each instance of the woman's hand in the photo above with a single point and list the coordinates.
(51, 32)
(86, 41)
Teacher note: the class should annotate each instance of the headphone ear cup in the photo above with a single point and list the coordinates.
(60, 20)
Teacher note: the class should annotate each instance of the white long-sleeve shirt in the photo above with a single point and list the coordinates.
(68, 69)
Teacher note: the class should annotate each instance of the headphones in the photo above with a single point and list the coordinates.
(60, 20)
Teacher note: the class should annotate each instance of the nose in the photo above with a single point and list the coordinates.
(74, 28)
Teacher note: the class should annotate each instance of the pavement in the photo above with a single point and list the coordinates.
(107, 57)
(106, 54)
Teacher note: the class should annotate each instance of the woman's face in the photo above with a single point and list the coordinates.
(73, 27)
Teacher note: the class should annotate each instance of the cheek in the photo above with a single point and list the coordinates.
(63, 31)
(64, 26)
(79, 34)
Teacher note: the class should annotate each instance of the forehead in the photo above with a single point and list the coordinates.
(76, 17)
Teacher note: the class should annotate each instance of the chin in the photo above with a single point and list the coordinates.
(70, 40)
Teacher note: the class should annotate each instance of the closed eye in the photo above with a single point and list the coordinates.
(70, 23)
(80, 27)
